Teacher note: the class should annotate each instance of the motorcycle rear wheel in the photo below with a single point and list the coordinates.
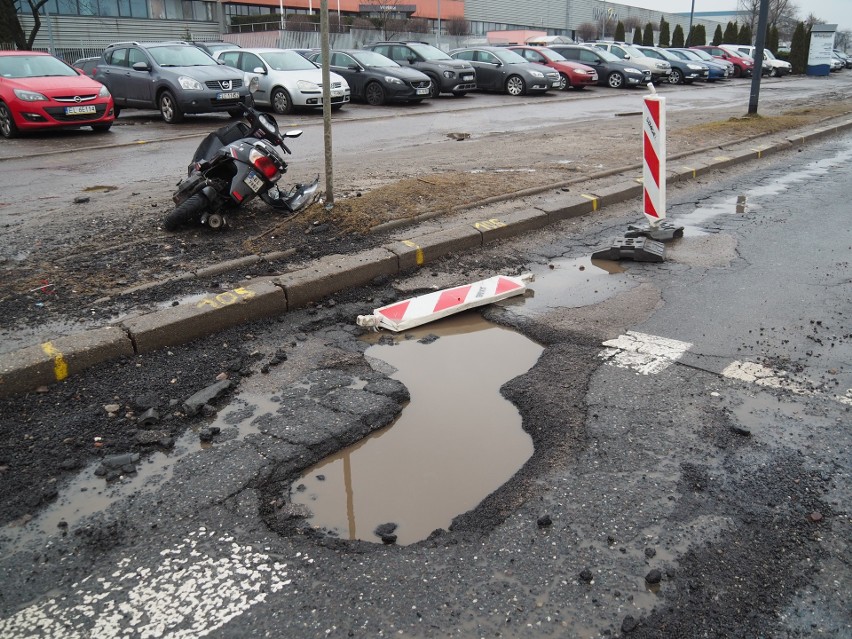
(188, 211)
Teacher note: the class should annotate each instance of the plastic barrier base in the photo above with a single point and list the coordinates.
(638, 249)
(663, 231)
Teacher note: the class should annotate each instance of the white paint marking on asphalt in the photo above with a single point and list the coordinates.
(772, 378)
(188, 594)
(643, 353)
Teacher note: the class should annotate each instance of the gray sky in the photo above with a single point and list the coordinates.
(831, 11)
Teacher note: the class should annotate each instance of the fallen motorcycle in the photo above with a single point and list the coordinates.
(233, 165)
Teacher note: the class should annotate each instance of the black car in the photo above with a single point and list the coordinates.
(506, 71)
(683, 71)
(376, 79)
(612, 71)
(447, 75)
(174, 77)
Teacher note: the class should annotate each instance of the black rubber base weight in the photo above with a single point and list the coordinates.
(665, 230)
(638, 249)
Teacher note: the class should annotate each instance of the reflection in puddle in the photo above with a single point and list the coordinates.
(571, 283)
(456, 442)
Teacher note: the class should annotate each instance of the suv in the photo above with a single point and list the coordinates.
(174, 77)
(448, 76)
(660, 69)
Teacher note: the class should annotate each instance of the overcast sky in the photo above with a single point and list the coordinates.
(831, 11)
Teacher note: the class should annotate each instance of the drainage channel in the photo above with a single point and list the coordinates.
(456, 442)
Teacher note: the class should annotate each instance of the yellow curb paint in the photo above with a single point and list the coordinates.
(759, 152)
(694, 172)
(593, 198)
(489, 225)
(722, 158)
(418, 256)
(640, 180)
(60, 366)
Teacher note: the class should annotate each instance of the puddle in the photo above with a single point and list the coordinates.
(100, 189)
(571, 283)
(456, 442)
(694, 223)
(87, 494)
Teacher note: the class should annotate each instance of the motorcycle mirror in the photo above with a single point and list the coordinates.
(254, 84)
(293, 133)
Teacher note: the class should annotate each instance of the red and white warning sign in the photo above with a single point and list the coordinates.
(415, 311)
(654, 157)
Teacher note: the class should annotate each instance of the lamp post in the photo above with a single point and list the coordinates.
(689, 32)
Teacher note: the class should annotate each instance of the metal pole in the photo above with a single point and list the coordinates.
(438, 37)
(50, 48)
(281, 8)
(689, 42)
(759, 43)
(326, 105)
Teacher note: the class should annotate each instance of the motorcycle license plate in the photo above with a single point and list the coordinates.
(80, 110)
(254, 181)
(228, 96)
(422, 91)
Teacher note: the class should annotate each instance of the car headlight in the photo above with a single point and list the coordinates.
(536, 74)
(449, 74)
(304, 85)
(392, 80)
(695, 67)
(103, 93)
(29, 96)
(190, 84)
(633, 70)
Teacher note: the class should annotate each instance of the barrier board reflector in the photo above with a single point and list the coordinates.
(415, 311)
(654, 157)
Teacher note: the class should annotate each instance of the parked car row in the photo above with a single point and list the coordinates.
(39, 91)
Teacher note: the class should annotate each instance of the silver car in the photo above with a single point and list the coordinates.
(287, 80)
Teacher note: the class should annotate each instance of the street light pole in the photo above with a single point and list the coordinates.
(689, 42)
(759, 43)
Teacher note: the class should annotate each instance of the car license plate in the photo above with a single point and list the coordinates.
(254, 181)
(556, 84)
(336, 93)
(80, 110)
(467, 78)
(228, 96)
(422, 91)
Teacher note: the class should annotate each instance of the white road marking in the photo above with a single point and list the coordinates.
(188, 588)
(643, 353)
(772, 378)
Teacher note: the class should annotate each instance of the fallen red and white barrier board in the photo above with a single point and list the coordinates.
(415, 311)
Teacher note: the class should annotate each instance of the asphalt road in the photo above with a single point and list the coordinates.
(689, 420)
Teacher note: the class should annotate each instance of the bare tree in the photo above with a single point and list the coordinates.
(10, 25)
(457, 26)
(631, 22)
(784, 14)
(587, 31)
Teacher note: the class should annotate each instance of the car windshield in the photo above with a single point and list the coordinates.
(668, 55)
(768, 54)
(181, 55)
(510, 57)
(287, 61)
(553, 55)
(428, 52)
(33, 66)
(633, 51)
(689, 54)
(373, 59)
(702, 54)
(606, 55)
(682, 55)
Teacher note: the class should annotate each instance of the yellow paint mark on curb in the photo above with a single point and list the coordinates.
(60, 366)
(489, 225)
(640, 180)
(722, 158)
(759, 152)
(141, 141)
(593, 198)
(418, 255)
(694, 171)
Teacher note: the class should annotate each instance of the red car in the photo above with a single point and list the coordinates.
(743, 65)
(39, 91)
(571, 74)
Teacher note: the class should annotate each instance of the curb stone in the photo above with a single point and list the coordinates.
(25, 369)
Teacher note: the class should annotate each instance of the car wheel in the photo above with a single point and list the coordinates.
(101, 128)
(8, 128)
(374, 94)
(615, 80)
(564, 82)
(169, 108)
(281, 102)
(116, 110)
(737, 72)
(515, 85)
(676, 77)
(435, 89)
(773, 73)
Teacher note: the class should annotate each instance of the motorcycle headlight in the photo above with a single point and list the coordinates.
(103, 93)
(190, 84)
(392, 80)
(29, 96)
(536, 74)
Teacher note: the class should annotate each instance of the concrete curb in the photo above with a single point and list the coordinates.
(28, 368)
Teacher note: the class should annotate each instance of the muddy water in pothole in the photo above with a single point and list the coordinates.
(456, 442)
